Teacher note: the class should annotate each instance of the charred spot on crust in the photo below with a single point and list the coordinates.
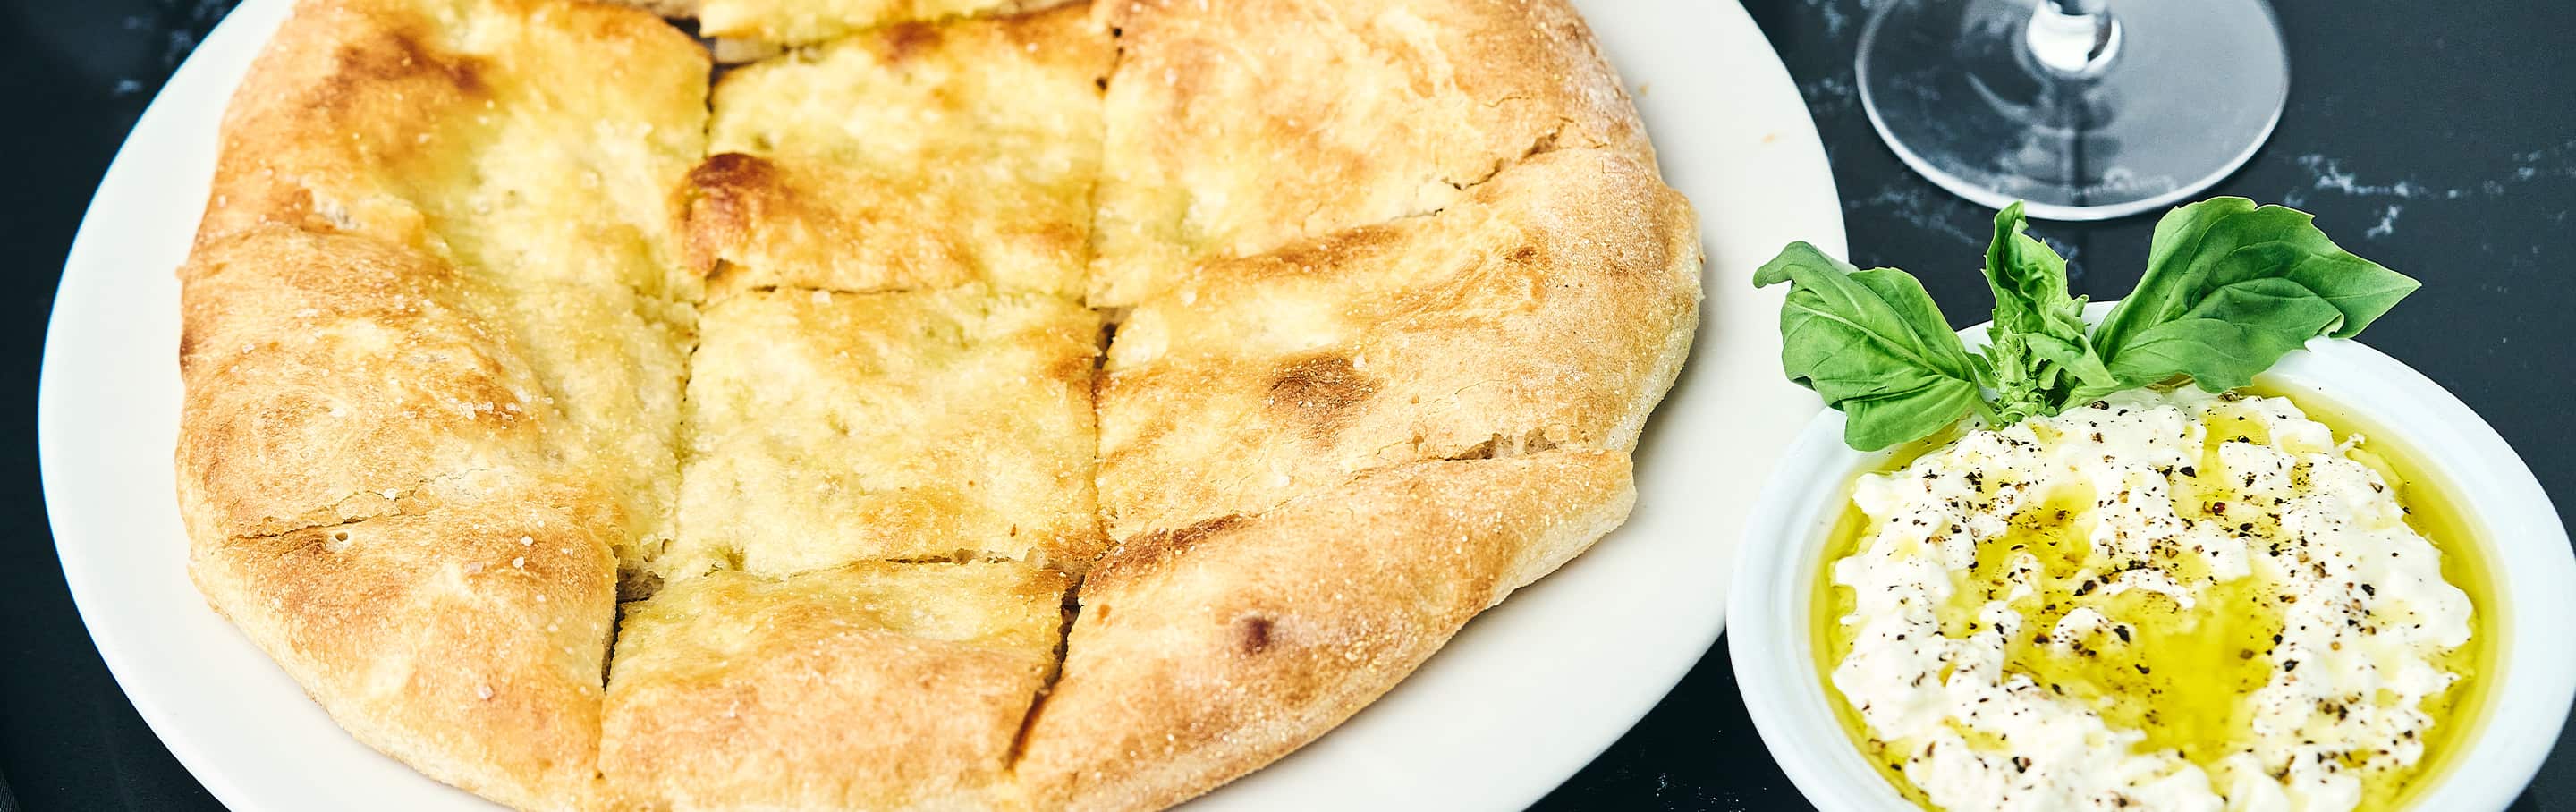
(1480, 451)
(1252, 634)
(726, 171)
(1079, 372)
(187, 346)
(1320, 255)
(397, 57)
(1537, 441)
(1504, 445)
(1154, 547)
(908, 39)
(1183, 538)
(724, 200)
(1318, 392)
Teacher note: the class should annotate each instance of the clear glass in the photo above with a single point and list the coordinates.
(2085, 109)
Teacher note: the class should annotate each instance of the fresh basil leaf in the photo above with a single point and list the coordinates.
(2088, 373)
(2029, 281)
(2082, 374)
(2037, 345)
(1875, 423)
(1873, 344)
(2229, 337)
(2205, 253)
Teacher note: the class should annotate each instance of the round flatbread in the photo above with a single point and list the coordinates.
(967, 405)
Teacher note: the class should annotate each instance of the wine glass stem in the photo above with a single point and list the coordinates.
(2073, 38)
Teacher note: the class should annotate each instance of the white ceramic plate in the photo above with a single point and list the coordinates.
(1523, 698)
(2535, 588)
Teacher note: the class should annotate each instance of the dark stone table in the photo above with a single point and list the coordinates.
(2436, 138)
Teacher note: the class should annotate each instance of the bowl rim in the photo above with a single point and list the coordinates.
(2531, 564)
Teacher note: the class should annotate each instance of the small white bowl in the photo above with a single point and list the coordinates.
(1770, 629)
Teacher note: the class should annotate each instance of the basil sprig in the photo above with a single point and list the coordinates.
(2230, 287)
(2038, 349)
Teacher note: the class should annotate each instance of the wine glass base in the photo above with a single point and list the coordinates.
(2191, 91)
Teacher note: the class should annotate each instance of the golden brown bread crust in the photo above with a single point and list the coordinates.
(874, 686)
(1203, 653)
(1240, 126)
(462, 633)
(909, 158)
(1550, 307)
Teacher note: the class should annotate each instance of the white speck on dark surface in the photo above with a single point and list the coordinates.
(2328, 175)
(1835, 20)
(1829, 91)
(2387, 222)
(193, 19)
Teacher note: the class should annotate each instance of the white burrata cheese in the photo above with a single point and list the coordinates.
(2363, 609)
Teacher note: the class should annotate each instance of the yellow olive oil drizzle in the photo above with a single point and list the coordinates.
(2433, 513)
(2180, 677)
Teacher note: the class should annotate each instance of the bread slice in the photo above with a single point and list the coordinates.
(805, 22)
(449, 126)
(870, 687)
(1234, 128)
(463, 633)
(434, 331)
(465, 195)
(612, 364)
(1550, 307)
(1205, 652)
(830, 428)
(329, 377)
(920, 156)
